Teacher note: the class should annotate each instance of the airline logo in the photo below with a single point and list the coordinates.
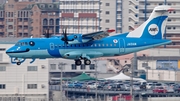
(153, 29)
(115, 41)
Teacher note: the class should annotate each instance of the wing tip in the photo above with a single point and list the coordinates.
(110, 30)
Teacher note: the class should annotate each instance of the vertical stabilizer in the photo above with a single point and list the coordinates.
(154, 27)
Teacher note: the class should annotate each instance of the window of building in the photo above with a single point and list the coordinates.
(2, 68)
(2, 86)
(107, 12)
(73, 67)
(136, 7)
(31, 86)
(32, 68)
(1, 56)
(107, 4)
(107, 21)
(169, 19)
(2, 49)
(144, 64)
(168, 27)
(83, 67)
(118, 12)
(92, 66)
(136, 15)
(53, 66)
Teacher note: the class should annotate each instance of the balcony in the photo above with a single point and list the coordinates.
(20, 30)
(20, 23)
(25, 30)
(1, 30)
(26, 23)
(1, 23)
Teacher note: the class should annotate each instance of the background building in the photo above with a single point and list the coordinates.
(25, 19)
(2, 1)
(28, 81)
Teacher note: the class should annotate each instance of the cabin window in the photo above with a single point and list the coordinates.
(94, 45)
(103, 45)
(99, 45)
(114, 44)
(110, 44)
(107, 45)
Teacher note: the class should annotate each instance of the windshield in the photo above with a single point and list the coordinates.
(21, 44)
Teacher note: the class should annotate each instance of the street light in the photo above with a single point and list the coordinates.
(61, 67)
(96, 78)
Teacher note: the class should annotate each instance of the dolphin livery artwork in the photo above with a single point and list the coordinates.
(93, 45)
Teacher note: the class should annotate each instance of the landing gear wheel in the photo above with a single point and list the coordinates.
(87, 62)
(18, 63)
(78, 62)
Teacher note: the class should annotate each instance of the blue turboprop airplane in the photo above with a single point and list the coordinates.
(93, 45)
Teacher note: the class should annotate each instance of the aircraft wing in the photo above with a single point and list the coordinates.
(97, 35)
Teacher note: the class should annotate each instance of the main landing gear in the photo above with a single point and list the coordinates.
(86, 62)
(18, 63)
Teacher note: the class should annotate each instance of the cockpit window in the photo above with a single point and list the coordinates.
(26, 43)
(21, 44)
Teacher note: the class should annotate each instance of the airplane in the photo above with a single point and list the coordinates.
(96, 44)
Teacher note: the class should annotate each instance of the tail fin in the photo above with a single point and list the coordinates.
(154, 27)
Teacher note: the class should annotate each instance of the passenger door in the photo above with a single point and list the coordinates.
(121, 46)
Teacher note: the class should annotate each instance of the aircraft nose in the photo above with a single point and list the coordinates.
(10, 50)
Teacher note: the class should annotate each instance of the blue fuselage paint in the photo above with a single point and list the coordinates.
(56, 48)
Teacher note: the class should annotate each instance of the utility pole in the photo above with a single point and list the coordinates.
(96, 79)
(61, 66)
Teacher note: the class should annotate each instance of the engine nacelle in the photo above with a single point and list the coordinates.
(76, 39)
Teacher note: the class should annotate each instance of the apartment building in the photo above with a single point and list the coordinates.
(2, 1)
(22, 83)
(25, 19)
(173, 25)
(40, 1)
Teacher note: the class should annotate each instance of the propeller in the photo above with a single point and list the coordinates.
(65, 38)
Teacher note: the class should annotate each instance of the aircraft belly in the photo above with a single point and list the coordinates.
(92, 53)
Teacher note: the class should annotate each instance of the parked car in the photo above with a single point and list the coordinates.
(136, 88)
(127, 87)
(92, 85)
(107, 86)
(75, 85)
(169, 89)
(159, 90)
(118, 87)
(177, 89)
(149, 85)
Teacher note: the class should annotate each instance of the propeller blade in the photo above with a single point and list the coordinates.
(66, 30)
